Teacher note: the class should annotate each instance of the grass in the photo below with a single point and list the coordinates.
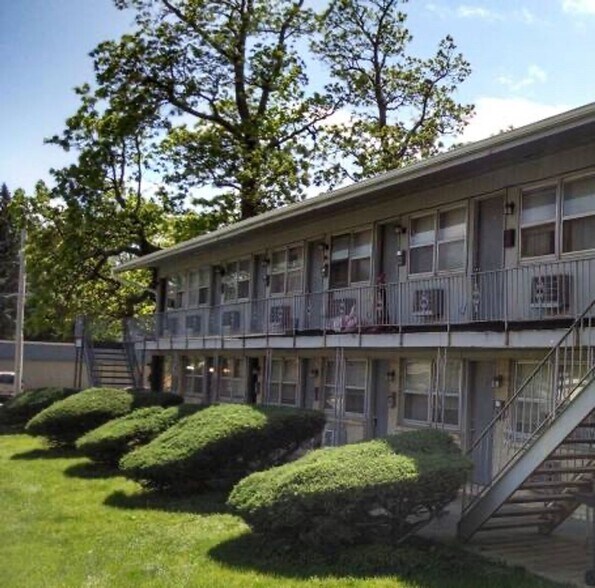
(69, 523)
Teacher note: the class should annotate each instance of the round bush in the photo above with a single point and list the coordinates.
(24, 406)
(109, 442)
(220, 445)
(66, 420)
(374, 490)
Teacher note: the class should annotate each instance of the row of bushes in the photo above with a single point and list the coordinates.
(355, 493)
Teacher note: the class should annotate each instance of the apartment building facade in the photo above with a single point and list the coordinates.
(424, 297)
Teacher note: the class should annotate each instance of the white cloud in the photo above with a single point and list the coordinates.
(468, 11)
(579, 6)
(534, 75)
(525, 15)
(493, 115)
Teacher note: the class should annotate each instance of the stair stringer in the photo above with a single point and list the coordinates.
(575, 411)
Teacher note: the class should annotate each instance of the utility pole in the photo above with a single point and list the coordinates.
(18, 355)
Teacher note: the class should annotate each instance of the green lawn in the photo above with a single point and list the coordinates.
(66, 523)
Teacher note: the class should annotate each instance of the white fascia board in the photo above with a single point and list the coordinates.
(451, 159)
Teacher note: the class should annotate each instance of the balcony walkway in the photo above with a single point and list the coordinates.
(562, 557)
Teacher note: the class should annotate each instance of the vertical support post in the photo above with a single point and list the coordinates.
(19, 342)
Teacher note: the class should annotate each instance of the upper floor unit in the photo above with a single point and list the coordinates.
(499, 234)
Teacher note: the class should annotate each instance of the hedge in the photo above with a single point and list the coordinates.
(66, 420)
(110, 441)
(374, 490)
(221, 444)
(24, 406)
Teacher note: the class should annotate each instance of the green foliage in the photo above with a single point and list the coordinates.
(356, 493)
(400, 105)
(66, 420)
(9, 265)
(110, 441)
(220, 445)
(24, 406)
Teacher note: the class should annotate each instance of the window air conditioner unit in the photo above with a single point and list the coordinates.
(428, 303)
(231, 319)
(550, 292)
(194, 324)
(171, 326)
(280, 318)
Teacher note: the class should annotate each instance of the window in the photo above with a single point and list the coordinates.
(287, 270)
(232, 384)
(430, 399)
(559, 218)
(284, 382)
(199, 285)
(236, 281)
(437, 241)
(538, 222)
(194, 369)
(531, 406)
(176, 288)
(351, 259)
(355, 387)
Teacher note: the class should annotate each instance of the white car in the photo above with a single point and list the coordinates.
(6, 385)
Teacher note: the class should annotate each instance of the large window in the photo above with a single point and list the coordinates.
(351, 259)
(194, 370)
(559, 218)
(232, 379)
(176, 291)
(284, 382)
(432, 394)
(199, 285)
(236, 281)
(354, 383)
(437, 241)
(287, 268)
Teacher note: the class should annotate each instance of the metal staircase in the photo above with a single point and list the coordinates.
(108, 363)
(541, 444)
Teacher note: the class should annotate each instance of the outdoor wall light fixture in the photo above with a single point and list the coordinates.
(391, 375)
(211, 370)
(497, 381)
(400, 229)
(314, 372)
(219, 269)
(509, 208)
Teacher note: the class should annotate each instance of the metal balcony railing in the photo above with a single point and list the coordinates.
(531, 293)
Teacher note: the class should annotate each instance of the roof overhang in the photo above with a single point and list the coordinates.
(570, 128)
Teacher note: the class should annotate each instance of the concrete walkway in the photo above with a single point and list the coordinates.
(562, 557)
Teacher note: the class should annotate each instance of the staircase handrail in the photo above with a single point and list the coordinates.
(130, 349)
(515, 396)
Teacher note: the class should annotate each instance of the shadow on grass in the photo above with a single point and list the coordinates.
(426, 564)
(47, 453)
(6, 429)
(208, 503)
(91, 470)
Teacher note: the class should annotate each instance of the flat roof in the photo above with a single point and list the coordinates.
(492, 148)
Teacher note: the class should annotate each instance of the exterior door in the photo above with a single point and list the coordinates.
(380, 399)
(481, 412)
(315, 285)
(488, 284)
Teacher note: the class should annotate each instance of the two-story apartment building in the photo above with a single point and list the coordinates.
(423, 297)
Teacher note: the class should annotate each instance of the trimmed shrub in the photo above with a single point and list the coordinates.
(374, 490)
(109, 442)
(66, 420)
(24, 406)
(220, 445)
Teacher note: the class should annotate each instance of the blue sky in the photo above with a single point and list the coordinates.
(530, 59)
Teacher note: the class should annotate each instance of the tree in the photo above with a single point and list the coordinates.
(400, 105)
(9, 265)
(231, 70)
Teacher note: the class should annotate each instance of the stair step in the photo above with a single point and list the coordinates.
(565, 470)
(589, 425)
(554, 484)
(565, 456)
(539, 498)
(511, 525)
(526, 512)
(578, 441)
